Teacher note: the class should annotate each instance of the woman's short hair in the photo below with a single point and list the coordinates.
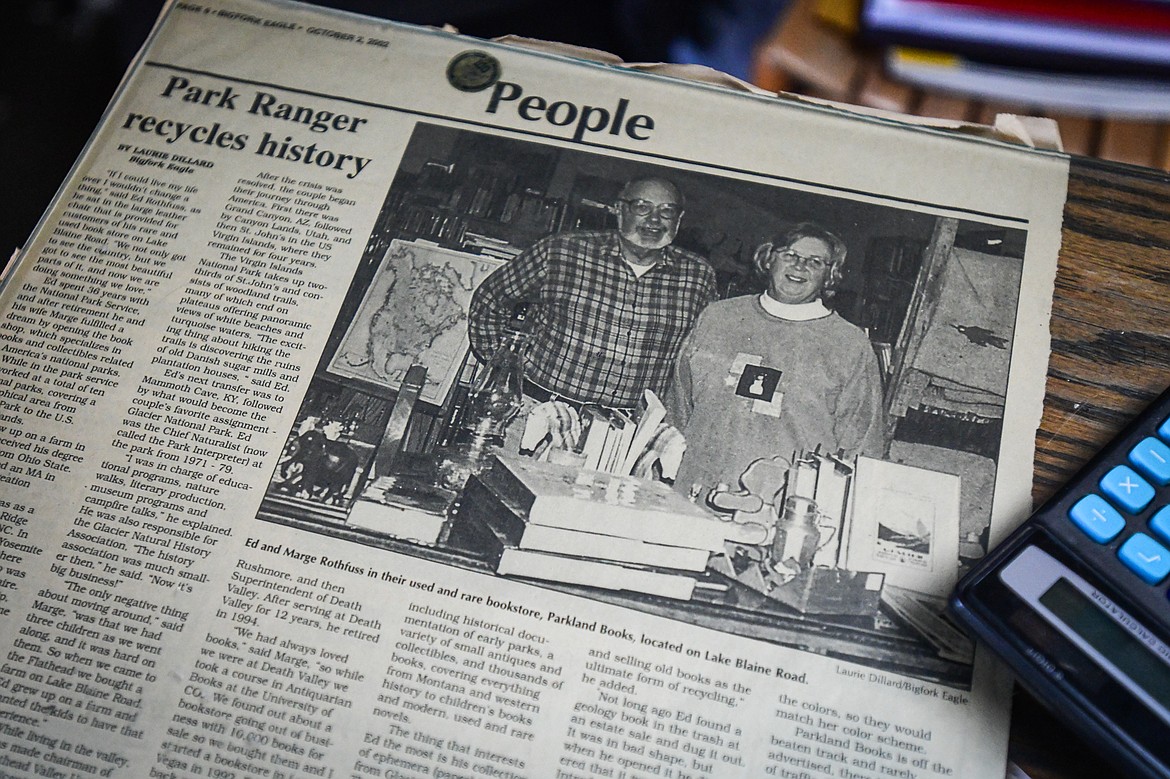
(765, 253)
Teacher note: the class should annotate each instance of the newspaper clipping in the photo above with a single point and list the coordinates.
(376, 401)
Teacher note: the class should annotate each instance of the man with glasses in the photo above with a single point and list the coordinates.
(609, 309)
(776, 374)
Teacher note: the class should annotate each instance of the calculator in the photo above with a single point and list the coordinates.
(1076, 599)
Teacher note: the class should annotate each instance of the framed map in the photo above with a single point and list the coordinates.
(414, 312)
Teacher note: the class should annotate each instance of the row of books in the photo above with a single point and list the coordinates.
(1080, 57)
(613, 441)
(564, 524)
(876, 520)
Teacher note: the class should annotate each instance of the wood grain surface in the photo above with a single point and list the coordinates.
(1110, 314)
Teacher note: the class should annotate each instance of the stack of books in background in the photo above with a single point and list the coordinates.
(560, 523)
(1080, 57)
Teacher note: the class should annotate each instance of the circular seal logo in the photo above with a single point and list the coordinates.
(473, 71)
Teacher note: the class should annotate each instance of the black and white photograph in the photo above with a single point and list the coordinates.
(754, 404)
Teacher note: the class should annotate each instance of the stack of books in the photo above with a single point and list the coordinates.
(479, 243)
(408, 505)
(1076, 56)
(612, 441)
(565, 524)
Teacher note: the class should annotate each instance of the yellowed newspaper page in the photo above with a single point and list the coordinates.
(263, 504)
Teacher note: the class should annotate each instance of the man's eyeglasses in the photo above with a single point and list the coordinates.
(667, 212)
(794, 258)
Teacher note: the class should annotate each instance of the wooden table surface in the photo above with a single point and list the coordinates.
(1110, 358)
(1111, 313)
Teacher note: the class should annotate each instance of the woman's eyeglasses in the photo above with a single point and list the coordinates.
(794, 258)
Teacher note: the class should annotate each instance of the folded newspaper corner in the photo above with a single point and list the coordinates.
(262, 509)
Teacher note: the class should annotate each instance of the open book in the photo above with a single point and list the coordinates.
(203, 353)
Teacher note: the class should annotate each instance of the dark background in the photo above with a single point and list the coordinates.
(61, 60)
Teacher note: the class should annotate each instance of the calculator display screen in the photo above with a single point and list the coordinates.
(1118, 645)
(1079, 644)
(1106, 635)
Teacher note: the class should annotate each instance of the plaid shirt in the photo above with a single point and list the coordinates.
(600, 334)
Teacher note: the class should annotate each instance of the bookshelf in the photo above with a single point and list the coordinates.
(484, 195)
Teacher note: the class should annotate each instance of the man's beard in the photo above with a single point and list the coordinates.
(649, 242)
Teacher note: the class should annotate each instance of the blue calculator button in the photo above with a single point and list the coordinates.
(1160, 523)
(1127, 489)
(1100, 521)
(1145, 557)
(1152, 458)
(1164, 429)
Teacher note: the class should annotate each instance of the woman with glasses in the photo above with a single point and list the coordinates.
(777, 373)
